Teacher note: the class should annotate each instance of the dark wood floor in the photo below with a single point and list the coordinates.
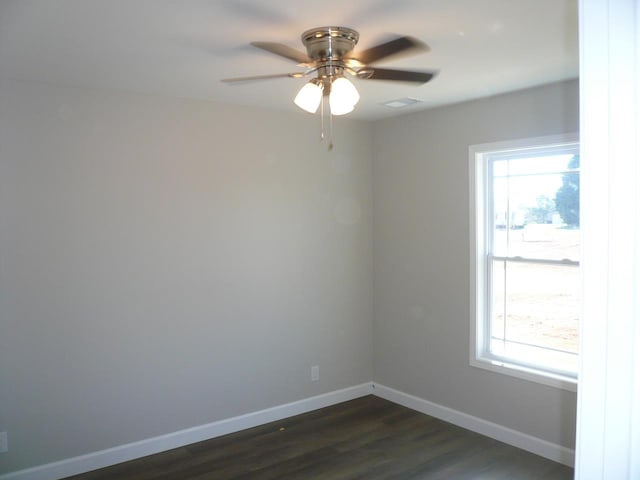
(368, 438)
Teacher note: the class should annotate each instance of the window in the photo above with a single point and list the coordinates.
(525, 255)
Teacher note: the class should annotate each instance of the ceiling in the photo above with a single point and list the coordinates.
(184, 48)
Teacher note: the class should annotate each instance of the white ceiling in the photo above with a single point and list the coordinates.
(184, 47)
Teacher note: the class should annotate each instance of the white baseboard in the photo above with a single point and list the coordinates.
(546, 449)
(131, 451)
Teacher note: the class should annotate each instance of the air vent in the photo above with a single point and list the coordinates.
(402, 102)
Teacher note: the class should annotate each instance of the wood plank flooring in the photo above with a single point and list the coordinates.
(368, 439)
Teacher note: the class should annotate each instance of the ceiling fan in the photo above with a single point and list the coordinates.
(330, 56)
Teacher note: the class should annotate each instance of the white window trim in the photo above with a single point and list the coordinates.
(478, 280)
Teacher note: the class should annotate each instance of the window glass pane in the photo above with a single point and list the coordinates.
(536, 215)
(539, 164)
(501, 217)
(567, 200)
(498, 297)
(500, 168)
(544, 234)
(543, 305)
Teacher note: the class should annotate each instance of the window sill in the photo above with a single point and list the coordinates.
(524, 373)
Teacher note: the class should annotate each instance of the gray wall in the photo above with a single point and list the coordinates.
(167, 263)
(421, 258)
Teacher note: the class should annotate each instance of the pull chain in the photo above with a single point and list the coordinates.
(322, 119)
(322, 124)
(330, 131)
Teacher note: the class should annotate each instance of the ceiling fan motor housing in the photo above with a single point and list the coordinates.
(329, 47)
(329, 43)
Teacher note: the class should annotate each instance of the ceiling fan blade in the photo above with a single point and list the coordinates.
(394, 47)
(263, 77)
(284, 51)
(397, 75)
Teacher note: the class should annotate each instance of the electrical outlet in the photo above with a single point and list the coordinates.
(4, 442)
(315, 373)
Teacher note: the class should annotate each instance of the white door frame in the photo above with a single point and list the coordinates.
(608, 433)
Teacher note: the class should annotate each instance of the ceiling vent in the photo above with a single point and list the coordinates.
(402, 102)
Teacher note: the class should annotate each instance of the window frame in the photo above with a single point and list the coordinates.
(480, 237)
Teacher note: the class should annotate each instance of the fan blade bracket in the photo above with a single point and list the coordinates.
(353, 63)
(365, 73)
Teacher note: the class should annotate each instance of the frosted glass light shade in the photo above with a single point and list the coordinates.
(309, 97)
(343, 96)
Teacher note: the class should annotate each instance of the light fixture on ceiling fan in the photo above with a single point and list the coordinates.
(329, 47)
(343, 96)
(330, 56)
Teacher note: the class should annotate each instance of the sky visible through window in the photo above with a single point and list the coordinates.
(528, 178)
